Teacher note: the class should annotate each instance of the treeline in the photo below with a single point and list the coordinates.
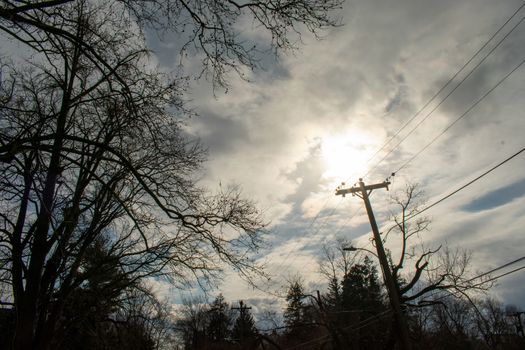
(113, 311)
(217, 325)
(355, 314)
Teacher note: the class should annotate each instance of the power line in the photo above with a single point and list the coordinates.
(502, 275)
(428, 102)
(447, 83)
(467, 184)
(464, 114)
(487, 172)
(383, 314)
(462, 187)
(480, 283)
(485, 274)
(448, 95)
(460, 117)
(362, 324)
(498, 268)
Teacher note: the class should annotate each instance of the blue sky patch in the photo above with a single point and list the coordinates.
(497, 197)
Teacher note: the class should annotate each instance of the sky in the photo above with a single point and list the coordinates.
(318, 117)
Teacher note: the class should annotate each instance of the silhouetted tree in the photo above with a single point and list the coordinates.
(91, 151)
(363, 301)
(220, 320)
(295, 313)
(454, 322)
(492, 323)
(361, 288)
(244, 330)
(87, 309)
(110, 309)
(207, 30)
(192, 323)
(7, 325)
(302, 316)
(354, 295)
(88, 147)
(334, 264)
(434, 269)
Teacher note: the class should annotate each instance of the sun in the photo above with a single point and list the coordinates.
(345, 155)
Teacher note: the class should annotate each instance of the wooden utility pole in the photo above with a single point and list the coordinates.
(243, 330)
(242, 308)
(363, 192)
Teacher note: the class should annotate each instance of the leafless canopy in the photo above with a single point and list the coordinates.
(207, 28)
(434, 269)
(92, 147)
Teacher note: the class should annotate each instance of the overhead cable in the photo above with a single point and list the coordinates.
(467, 184)
(448, 95)
(461, 116)
(447, 83)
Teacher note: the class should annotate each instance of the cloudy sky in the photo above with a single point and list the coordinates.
(312, 120)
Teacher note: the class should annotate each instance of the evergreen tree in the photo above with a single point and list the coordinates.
(334, 298)
(361, 300)
(361, 288)
(299, 315)
(244, 330)
(293, 316)
(220, 320)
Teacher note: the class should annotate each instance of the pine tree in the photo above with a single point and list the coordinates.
(361, 300)
(220, 320)
(293, 316)
(361, 288)
(244, 330)
(334, 298)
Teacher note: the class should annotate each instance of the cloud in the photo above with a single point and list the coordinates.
(369, 77)
(221, 133)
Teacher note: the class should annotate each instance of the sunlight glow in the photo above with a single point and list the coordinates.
(345, 155)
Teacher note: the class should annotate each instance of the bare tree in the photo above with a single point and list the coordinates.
(434, 269)
(205, 27)
(192, 322)
(91, 147)
(492, 322)
(435, 272)
(334, 265)
(132, 318)
(91, 151)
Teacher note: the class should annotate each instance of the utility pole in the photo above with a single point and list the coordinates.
(243, 331)
(242, 308)
(363, 192)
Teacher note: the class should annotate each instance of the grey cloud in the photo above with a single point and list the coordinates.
(309, 172)
(482, 80)
(395, 101)
(220, 133)
(383, 66)
(510, 289)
